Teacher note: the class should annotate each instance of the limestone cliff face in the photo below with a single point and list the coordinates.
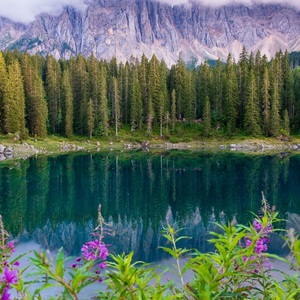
(123, 28)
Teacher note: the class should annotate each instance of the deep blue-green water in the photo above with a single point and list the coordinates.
(53, 201)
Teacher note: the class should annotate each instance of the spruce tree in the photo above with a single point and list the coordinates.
(80, 94)
(286, 122)
(217, 89)
(14, 101)
(265, 96)
(90, 118)
(116, 104)
(252, 115)
(136, 104)
(94, 85)
(3, 79)
(207, 117)
(173, 108)
(231, 101)
(243, 70)
(103, 109)
(35, 102)
(53, 79)
(275, 99)
(154, 88)
(67, 104)
(143, 78)
(287, 93)
(179, 79)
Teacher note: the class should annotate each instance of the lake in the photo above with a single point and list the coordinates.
(53, 201)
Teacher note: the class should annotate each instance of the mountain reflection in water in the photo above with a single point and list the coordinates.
(53, 200)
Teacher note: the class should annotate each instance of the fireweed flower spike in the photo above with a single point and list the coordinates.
(9, 276)
(5, 294)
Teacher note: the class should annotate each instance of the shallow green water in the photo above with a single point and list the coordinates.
(53, 200)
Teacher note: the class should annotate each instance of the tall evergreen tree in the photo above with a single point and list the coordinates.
(265, 96)
(243, 69)
(143, 78)
(275, 98)
(35, 102)
(287, 93)
(173, 108)
(180, 86)
(136, 104)
(231, 101)
(53, 79)
(80, 94)
(90, 117)
(14, 101)
(154, 85)
(252, 114)
(3, 78)
(116, 104)
(103, 108)
(286, 122)
(217, 89)
(203, 86)
(207, 117)
(93, 69)
(67, 104)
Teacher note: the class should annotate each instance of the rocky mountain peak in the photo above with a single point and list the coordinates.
(123, 28)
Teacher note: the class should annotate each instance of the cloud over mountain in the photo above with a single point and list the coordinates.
(217, 3)
(24, 11)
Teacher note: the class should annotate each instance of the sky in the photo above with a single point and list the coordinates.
(24, 11)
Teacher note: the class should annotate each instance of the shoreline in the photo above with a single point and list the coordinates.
(54, 146)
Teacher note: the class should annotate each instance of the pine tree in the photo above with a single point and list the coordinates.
(204, 82)
(275, 99)
(231, 101)
(252, 120)
(287, 93)
(53, 79)
(190, 96)
(67, 104)
(125, 91)
(150, 116)
(162, 96)
(90, 118)
(173, 108)
(217, 89)
(103, 109)
(207, 117)
(35, 103)
(136, 104)
(80, 93)
(116, 104)
(296, 88)
(143, 78)
(286, 122)
(14, 101)
(3, 78)
(265, 96)
(154, 86)
(180, 86)
(94, 85)
(243, 70)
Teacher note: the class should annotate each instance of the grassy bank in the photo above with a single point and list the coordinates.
(128, 142)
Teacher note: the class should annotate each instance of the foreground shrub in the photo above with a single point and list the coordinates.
(239, 268)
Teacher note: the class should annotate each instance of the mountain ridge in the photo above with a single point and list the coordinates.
(133, 27)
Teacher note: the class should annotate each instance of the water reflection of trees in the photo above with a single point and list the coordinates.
(55, 199)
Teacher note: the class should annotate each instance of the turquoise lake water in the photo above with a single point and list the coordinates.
(53, 201)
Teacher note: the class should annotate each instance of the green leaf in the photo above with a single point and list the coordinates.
(59, 268)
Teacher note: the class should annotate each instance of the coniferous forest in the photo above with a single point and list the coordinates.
(85, 96)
